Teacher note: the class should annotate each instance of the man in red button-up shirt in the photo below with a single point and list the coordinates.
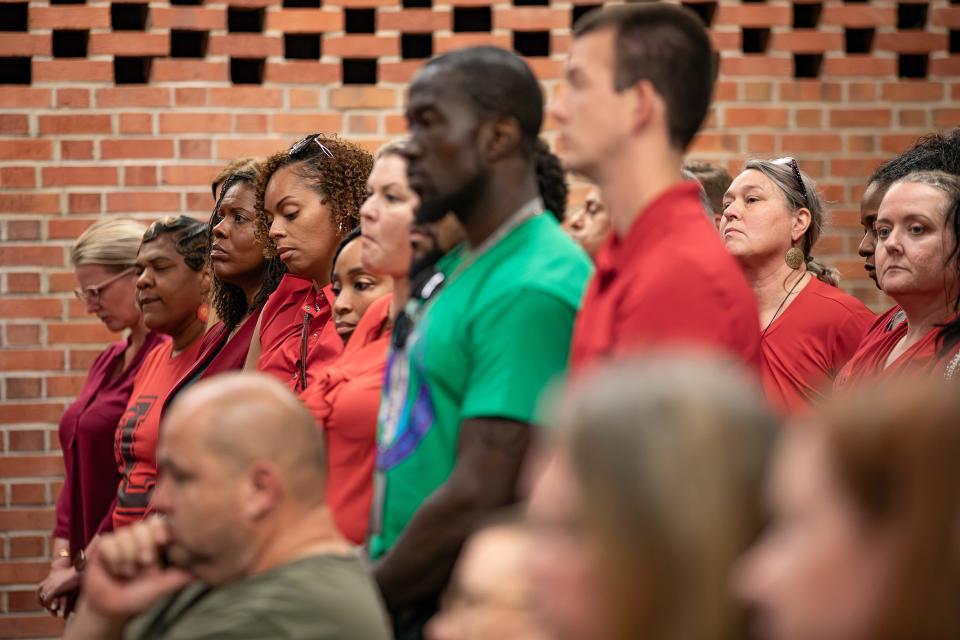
(640, 78)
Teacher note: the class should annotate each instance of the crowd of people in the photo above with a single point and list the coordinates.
(412, 395)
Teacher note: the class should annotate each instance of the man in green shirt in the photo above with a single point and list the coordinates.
(245, 546)
(461, 394)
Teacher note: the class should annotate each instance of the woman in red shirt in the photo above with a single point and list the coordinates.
(772, 218)
(917, 264)
(102, 258)
(308, 199)
(171, 289)
(346, 397)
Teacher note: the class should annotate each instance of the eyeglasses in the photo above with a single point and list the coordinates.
(792, 163)
(300, 147)
(92, 294)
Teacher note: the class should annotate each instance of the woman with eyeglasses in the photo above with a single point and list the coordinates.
(103, 258)
(308, 200)
(772, 218)
(918, 265)
(172, 288)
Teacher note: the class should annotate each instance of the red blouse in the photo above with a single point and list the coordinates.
(294, 308)
(86, 437)
(805, 348)
(345, 400)
(870, 359)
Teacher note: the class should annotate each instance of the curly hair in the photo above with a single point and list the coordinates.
(551, 181)
(190, 237)
(229, 300)
(340, 179)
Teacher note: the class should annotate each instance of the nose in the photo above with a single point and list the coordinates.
(411, 150)
(556, 108)
(160, 500)
(440, 628)
(368, 211)
(220, 229)
(277, 228)
(868, 245)
(144, 280)
(578, 220)
(92, 303)
(343, 304)
(731, 211)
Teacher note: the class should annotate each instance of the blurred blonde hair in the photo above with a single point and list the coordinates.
(112, 242)
(670, 453)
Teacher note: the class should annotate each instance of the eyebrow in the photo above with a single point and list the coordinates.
(355, 271)
(283, 200)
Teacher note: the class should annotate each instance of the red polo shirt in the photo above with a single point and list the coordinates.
(669, 281)
(293, 308)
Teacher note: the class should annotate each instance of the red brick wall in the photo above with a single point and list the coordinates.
(76, 145)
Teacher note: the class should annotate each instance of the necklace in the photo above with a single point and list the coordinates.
(780, 308)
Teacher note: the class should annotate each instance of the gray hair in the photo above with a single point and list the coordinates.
(704, 198)
(112, 243)
(800, 196)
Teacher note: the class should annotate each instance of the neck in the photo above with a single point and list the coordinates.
(401, 295)
(770, 282)
(190, 332)
(511, 187)
(924, 314)
(627, 193)
(297, 535)
(138, 335)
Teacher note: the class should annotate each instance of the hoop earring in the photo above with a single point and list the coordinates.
(203, 313)
(794, 258)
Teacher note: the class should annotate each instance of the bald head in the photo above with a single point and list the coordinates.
(243, 417)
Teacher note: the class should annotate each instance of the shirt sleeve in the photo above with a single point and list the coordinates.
(62, 529)
(849, 336)
(518, 347)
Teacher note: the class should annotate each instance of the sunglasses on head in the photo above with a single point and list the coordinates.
(302, 146)
(792, 163)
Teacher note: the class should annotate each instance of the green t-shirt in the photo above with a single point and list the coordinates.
(321, 597)
(486, 346)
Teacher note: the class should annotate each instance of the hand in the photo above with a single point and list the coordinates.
(124, 575)
(55, 590)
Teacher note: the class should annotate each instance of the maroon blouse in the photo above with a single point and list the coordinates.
(86, 438)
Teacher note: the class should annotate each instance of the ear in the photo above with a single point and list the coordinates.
(502, 138)
(206, 280)
(645, 104)
(261, 490)
(801, 222)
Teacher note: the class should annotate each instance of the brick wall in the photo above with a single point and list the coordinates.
(110, 108)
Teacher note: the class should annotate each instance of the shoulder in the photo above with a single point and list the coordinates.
(544, 258)
(292, 290)
(835, 300)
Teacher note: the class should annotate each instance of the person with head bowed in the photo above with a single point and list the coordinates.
(243, 546)
(934, 152)
(172, 288)
(242, 277)
(863, 542)
(590, 224)
(637, 519)
(370, 281)
(639, 82)
(457, 416)
(103, 262)
(772, 219)
(918, 265)
(308, 200)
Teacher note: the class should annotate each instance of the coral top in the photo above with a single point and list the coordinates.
(87, 431)
(345, 400)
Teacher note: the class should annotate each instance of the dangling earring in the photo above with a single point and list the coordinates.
(203, 312)
(794, 258)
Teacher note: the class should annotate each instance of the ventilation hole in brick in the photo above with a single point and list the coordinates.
(301, 46)
(131, 70)
(858, 40)
(472, 19)
(188, 44)
(13, 17)
(531, 3)
(579, 10)
(416, 46)
(807, 65)
(534, 44)
(301, 4)
(246, 70)
(186, 2)
(14, 70)
(911, 15)
(417, 4)
(68, 1)
(244, 20)
(360, 20)
(755, 40)
(128, 17)
(912, 65)
(807, 16)
(954, 41)
(359, 71)
(70, 43)
(706, 11)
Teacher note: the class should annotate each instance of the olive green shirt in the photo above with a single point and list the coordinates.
(323, 597)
